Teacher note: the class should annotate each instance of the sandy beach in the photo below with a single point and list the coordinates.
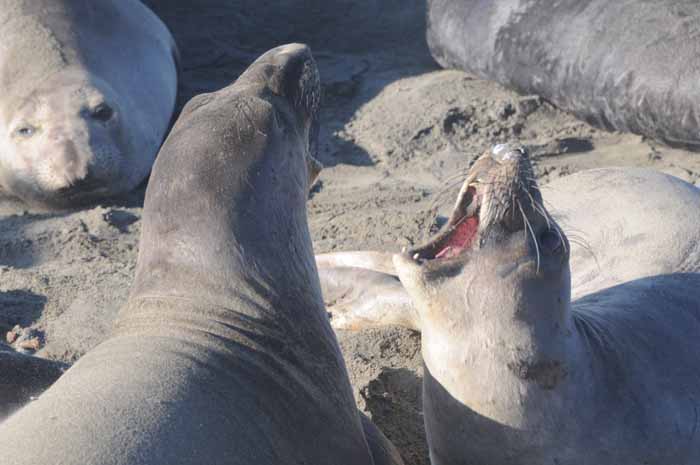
(396, 133)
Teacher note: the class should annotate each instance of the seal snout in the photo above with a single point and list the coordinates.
(68, 167)
(504, 153)
(498, 198)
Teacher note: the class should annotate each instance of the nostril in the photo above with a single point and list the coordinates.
(102, 112)
(505, 152)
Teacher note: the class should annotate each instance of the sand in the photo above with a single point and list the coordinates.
(396, 131)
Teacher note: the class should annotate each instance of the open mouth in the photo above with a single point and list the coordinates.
(460, 233)
(492, 204)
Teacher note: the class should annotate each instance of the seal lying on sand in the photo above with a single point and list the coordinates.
(223, 353)
(87, 92)
(517, 372)
(628, 65)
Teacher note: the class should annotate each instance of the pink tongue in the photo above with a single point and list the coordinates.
(460, 239)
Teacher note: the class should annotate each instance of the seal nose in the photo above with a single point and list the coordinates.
(502, 153)
(69, 167)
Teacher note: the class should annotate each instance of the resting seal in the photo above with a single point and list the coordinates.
(223, 352)
(88, 90)
(628, 65)
(517, 371)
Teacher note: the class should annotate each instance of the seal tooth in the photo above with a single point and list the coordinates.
(462, 192)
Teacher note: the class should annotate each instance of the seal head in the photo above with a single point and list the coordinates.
(88, 91)
(498, 231)
(66, 143)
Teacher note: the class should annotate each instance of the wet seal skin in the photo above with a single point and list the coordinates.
(88, 90)
(224, 352)
(627, 65)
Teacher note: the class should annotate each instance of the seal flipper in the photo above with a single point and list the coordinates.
(380, 262)
(359, 298)
(22, 377)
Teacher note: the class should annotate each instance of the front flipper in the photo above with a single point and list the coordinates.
(359, 298)
(381, 262)
(22, 377)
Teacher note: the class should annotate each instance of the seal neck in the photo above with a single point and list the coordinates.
(225, 212)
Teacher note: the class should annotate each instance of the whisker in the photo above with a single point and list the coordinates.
(532, 232)
(459, 174)
(537, 207)
(561, 237)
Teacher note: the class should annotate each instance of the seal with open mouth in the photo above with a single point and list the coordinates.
(516, 372)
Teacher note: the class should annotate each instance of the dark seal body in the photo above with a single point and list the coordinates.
(627, 65)
(224, 353)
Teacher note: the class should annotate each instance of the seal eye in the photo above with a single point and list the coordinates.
(102, 112)
(550, 241)
(25, 131)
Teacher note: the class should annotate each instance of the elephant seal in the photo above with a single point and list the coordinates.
(627, 65)
(518, 373)
(88, 90)
(223, 352)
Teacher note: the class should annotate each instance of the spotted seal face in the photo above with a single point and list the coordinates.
(65, 144)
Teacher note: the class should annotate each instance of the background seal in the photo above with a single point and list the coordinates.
(88, 90)
(628, 65)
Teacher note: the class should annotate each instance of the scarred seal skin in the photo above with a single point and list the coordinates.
(223, 353)
(627, 65)
(87, 91)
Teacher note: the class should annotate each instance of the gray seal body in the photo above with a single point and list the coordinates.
(223, 353)
(87, 93)
(627, 65)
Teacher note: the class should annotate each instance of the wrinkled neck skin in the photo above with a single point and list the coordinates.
(501, 378)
